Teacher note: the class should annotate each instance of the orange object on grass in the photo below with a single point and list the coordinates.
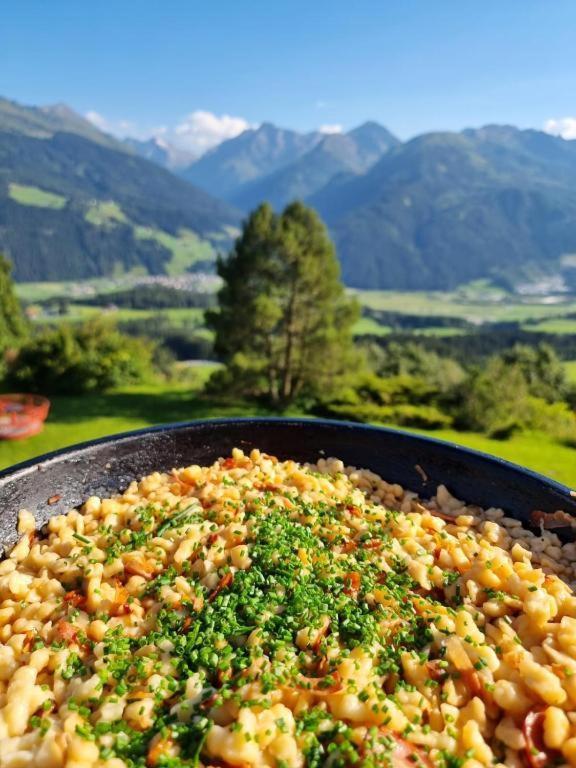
(22, 415)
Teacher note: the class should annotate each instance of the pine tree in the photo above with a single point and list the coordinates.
(13, 325)
(284, 325)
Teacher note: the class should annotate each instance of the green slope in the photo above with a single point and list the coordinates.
(44, 122)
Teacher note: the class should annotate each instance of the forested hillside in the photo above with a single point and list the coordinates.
(73, 207)
(445, 209)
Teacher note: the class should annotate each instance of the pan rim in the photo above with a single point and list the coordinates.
(9, 474)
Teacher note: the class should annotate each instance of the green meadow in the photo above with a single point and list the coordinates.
(35, 196)
(76, 419)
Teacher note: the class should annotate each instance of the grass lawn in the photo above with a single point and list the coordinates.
(75, 419)
(535, 451)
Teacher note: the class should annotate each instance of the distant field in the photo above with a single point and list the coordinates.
(76, 419)
(558, 325)
(179, 317)
(570, 368)
(105, 213)
(367, 326)
(440, 331)
(187, 249)
(31, 292)
(437, 304)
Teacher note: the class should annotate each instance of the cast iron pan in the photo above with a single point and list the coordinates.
(54, 483)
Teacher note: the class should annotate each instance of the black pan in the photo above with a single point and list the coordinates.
(58, 481)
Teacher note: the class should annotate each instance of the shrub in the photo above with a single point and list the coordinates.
(493, 400)
(500, 402)
(394, 389)
(410, 358)
(92, 357)
(542, 370)
(404, 400)
(402, 414)
(556, 419)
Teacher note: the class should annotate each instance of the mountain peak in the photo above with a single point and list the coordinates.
(331, 155)
(372, 130)
(44, 122)
(248, 157)
(493, 131)
(268, 127)
(60, 109)
(368, 125)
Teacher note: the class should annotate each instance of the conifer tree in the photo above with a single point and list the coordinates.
(284, 324)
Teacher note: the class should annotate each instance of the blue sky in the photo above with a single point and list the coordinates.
(413, 65)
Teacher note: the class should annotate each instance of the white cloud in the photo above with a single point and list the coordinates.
(563, 126)
(196, 133)
(117, 127)
(126, 126)
(334, 128)
(200, 130)
(97, 119)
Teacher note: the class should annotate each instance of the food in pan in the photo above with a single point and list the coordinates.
(259, 612)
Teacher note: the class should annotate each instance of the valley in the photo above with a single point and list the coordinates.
(477, 311)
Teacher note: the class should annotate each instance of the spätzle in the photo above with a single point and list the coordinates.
(266, 614)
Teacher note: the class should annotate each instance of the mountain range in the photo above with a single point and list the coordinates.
(226, 170)
(431, 213)
(352, 153)
(445, 209)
